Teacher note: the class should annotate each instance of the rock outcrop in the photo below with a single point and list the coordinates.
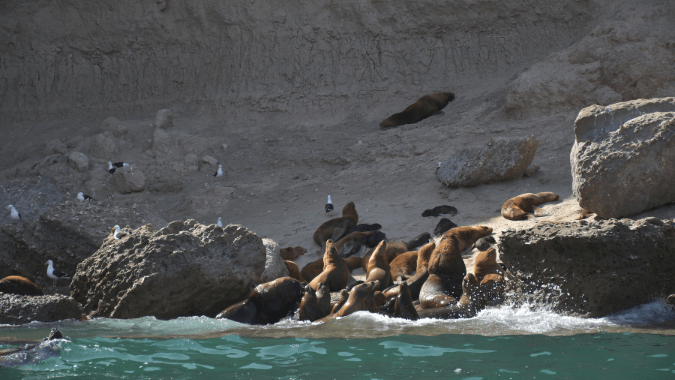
(183, 269)
(500, 160)
(127, 180)
(17, 309)
(274, 263)
(622, 159)
(79, 161)
(593, 268)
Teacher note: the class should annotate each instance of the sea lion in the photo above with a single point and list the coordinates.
(484, 243)
(344, 295)
(292, 253)
(335, 272)
(426, 106)
(403, 265)
(517, 208)
(485, 263)
(376, 301)
(403, 308)
(438, 210)
(394, 249)
(335, 228)
(418, 240)
(362, 228)
(19, 285)
(294, 271)
(357, 299)
(375, 238)
(309, 306)
(378, 268)
(311, 270)
(353, 262)
(466, 307)
(267, 303)
(323, 299)
(414, 284)
(352, 243)
(443, 226)
(424, 255)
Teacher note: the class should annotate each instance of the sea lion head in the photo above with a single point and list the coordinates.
(349, 211)
(331, 256)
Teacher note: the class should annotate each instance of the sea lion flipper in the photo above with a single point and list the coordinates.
(346, 249)
(337, 232)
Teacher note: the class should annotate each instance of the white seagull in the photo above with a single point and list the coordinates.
(83, 197)
(220, 223)
(329, 205)
(219, 172)
(55, 274)
(116, 230)
(13, 213)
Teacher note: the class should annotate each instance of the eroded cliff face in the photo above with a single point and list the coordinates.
(257, 57)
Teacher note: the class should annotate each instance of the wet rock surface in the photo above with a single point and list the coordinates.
(622, 159)
(15, 309)
(593, 268)
(183, 269)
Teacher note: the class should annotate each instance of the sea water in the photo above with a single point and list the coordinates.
(505, 342)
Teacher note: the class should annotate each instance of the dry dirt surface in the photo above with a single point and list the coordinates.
(288, 96)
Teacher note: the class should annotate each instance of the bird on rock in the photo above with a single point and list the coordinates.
(83, 197)
(219, 172)
(116, 231)
(220, 223)
(329, 205)
(54, 273)
(13, 213)
(112, 166)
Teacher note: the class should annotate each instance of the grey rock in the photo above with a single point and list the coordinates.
(500, 160)
(621, 158)
(209, 164)
(55, 146)
(593, 268)
(105, 145)
(274, 263)
(184, 269)
(25, 309)
(164, 119)
(110, 124)
(127, 180)
(79, 161)
(162, 141)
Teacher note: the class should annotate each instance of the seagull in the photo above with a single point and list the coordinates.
(329, 205)
(112, 166)
(13, 213)
(116, 230)
(83, 197)
(220, 223)
(55, 274)
(219, 172)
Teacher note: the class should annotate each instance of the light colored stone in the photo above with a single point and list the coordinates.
(209, 164)
(274, 263)
(622, 158)
(79, 161)
(162, 141)
(499, 160)
(164, 119)
(105, 145)
(55, 146)
(127, 180)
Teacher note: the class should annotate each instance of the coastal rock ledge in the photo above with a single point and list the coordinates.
(184, 269)
(594, 268)
(17, 309)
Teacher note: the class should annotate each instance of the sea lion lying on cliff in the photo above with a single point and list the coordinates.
(267, 303)
(424, 107)
(335, 228)
(19, 285)
(517, 208)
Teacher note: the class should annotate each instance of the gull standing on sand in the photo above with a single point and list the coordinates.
(220, 223)
(112, 166)
(83, 197)
(54, 273)
(116, 231)
(13, 213)
(329, 205)
(219, 172)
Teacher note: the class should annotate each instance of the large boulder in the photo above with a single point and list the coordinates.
(164, 119)
(127, 180)
(184, 269)
(25, 309)
(593, 268)
(79, 161)
(622, 158)
(500, 160)
(274, 263)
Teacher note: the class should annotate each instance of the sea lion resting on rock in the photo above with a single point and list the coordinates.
(378, 268)
(424, 107)
(352, 243)
(517, 208)
(403, 265)
(362, 228)
(294, 271)
(335, 228)
(484, 243)
(267, 303)
(438, 210)
(394, 249)
(19, 285)
(443, 226)
(313, 269)
(418, 241)
(292, 253)
(335, 272)
(490, 275)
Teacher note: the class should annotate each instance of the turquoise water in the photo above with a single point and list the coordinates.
(505, 342)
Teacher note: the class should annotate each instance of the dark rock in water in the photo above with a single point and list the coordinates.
(418, 241)
(593, 268)
(443, 226)
(17, 309)
(500, 160)
(183, 269)
(438, 210)
(619, 158)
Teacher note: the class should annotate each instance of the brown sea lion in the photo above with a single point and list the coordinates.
(466, 307)
(292, 253)
(426, 106)
(424, 255)
(403, 265)
(335, 228)
(344, 295)
(352, 243)
(517, 208)
(19, 285)
(485, 263)
(403, 308)
(378, 267)
(437, 292)
(353, 262)
(267, 303)
(357, 299)
(376, 301)
(394, 249)
(335, 272)
(414, 284)
(309, 306)
(294, 271)
(362, 228)
(311, 270)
